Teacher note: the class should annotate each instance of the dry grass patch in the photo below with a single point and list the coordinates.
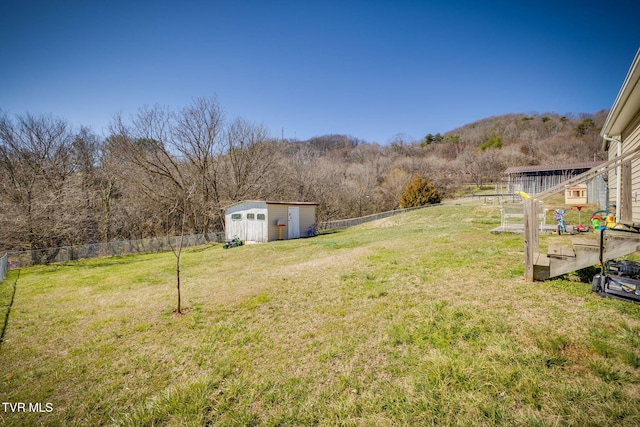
(418, 319)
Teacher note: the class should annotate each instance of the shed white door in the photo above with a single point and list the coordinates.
(294, 222)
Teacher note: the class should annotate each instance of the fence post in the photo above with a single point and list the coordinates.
(3, 266)
(530, 236)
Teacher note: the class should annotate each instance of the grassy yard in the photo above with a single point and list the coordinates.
(418, 319)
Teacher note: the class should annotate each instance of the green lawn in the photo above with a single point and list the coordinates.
(418, 319)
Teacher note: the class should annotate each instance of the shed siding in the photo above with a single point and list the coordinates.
(255, 230)
(249, 230)
(307, 219)
(281, 212)
(277, 213)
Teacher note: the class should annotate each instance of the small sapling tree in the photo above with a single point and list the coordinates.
(177, 247)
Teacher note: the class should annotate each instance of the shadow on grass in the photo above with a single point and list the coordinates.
(332, 231)
(109, 261)
(6, 316)
(198, 249)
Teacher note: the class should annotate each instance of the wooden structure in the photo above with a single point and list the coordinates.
(512, 217)
(621, 134)
(536, 179)
(584, 252)
(576, 195)
(263, 221)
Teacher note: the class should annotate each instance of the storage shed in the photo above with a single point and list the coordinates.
(264, 221)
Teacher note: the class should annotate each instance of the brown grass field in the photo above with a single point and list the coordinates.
(415, 320)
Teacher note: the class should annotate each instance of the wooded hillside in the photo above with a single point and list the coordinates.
(60, 185)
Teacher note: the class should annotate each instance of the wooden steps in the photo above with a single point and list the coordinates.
(586, 242)
(583, 252)
(541, 267)
(561, 252)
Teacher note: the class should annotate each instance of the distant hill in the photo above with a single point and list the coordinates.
(548, 138)
(477, 153)
(527, 139)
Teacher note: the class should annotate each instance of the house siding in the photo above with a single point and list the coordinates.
(621, 133)
(629, 194)
(612, 182)
(634, 192)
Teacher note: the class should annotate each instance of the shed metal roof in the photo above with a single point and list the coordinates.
(546, 168)
(273, 202)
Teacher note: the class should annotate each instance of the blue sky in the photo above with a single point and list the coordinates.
(369, 69)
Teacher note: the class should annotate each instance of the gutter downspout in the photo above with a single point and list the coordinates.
(618, 140)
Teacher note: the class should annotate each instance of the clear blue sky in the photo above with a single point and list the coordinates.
(370, 69)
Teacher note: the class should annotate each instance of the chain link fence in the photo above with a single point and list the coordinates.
(97, 250)
(159, 244)
(344, 223)
(489, 199)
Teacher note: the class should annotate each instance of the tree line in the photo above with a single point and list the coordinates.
(161, 171)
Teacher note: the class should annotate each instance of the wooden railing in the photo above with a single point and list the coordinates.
(531, 232)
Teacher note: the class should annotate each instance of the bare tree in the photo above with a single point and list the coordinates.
(176, 156)
(198, 138)
(174, 151)
(112, 186)
(177, 249)
(482, 167)
(82, 198)
(35, 166)
(146, 145)
(249, 159)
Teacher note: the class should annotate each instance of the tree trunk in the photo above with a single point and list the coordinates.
(179, 310)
